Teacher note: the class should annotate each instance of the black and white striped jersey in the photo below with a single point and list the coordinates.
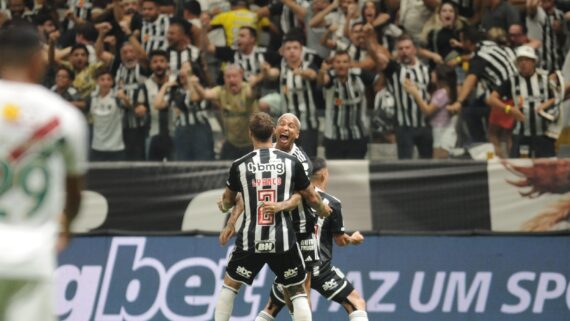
(532, 92)
(384, 115)
(328, 227)
(266, 174)
(153, 34)
(356, 54)
(289, 19)
(299, 96)
(129, 79)
(303, 217)
(190, 112)
(345, 105)
(177, 58)
(408, 113)
(251, 63)
(81, 9)
(159, 121)
(492, 64)
(541, 27)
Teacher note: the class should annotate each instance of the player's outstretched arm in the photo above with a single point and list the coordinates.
(228, 200)
(73, 187)
(230, 229)
(344, 239)
(288, 205)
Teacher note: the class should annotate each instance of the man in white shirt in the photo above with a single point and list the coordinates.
(43, 151)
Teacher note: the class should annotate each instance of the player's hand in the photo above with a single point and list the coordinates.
(437, 59)
(221, 206)
(104, 27)
(518, 114)
(410, 87)
(454, 108)
(125, 27)
(227, 233)
(271, 208)
(356, 238)
(352, 12)
(326, 211)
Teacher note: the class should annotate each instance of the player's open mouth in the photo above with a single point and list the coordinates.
(284, 138)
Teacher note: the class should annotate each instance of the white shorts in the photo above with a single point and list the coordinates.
(25, 300)
(444, 137)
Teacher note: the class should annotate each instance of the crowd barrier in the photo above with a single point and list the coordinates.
(500, 196)
(413, 278)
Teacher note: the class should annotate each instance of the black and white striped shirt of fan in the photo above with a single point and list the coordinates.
(408, 113)
(492, 64)
(289, 19)
(129, 79)
(153, 33)
(541, 27)
(249, 63)
(299, 96)
(345, 103)
(261, 176)
(81, 9)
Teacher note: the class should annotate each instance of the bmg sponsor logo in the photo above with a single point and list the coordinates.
(276, 166)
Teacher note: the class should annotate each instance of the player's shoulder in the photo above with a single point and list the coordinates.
(283, 155)
(333, 201)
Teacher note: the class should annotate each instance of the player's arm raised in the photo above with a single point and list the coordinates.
(344, 239)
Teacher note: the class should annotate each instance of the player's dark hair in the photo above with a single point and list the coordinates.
(103, 71)
(251, 30)
(473, 34)
(88, 31)
(261, 126)
(18, 44)
(69, 72)
(158, 3)
(193, 7)
(79, 46)
(183, 24)
(318, 165)
(295, 34)
(160, 53)
(341, 53)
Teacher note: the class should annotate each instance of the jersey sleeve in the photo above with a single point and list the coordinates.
(233, 179)
(336, 223)
(477, 67)
(75, 144)
(301, 179)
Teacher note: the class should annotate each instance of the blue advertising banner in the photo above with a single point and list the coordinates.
(427, 278)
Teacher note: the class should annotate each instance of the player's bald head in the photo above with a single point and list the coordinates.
(290, 116)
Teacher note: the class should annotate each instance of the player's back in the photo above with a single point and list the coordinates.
(42, 140)
(266, 175)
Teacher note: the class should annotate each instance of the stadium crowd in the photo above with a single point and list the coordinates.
(156, 78)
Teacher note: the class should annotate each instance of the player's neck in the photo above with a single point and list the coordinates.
(261, 145)
(320, 184)
(16, 75)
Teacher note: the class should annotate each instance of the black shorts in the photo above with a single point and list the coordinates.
(331, 283)
(309, 249)
(288, 266)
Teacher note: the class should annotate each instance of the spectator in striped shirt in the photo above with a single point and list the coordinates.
(299, 95)
(154, 26)
(412, 128)
(346, 122)
(546, 24)
(193, 138)
(535, 106)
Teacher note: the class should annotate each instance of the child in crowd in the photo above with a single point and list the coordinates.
(441, 120)
(106, 109)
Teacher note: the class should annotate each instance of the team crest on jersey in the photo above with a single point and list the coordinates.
(11, 113)
(265, 247)
(276, 166)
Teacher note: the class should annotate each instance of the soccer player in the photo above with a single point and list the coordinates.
(327, 279)
(42, 161)
(266, 235)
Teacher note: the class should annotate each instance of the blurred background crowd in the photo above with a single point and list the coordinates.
(176, 80)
